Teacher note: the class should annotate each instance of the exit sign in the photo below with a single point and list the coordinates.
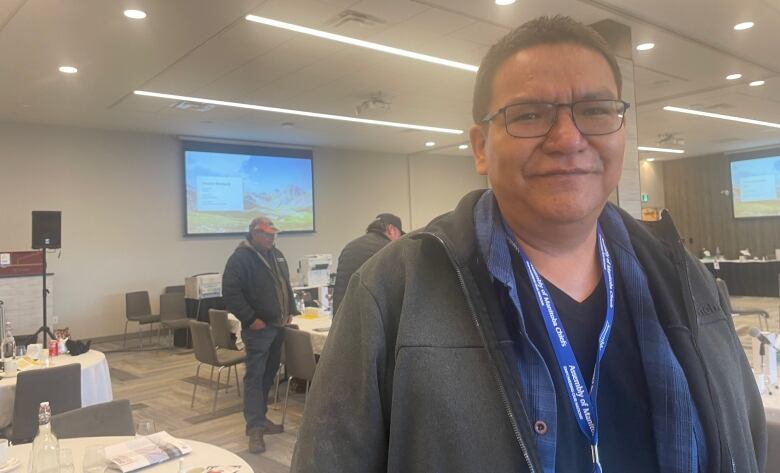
(644, 198)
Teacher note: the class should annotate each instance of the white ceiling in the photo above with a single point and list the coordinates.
(206, 48)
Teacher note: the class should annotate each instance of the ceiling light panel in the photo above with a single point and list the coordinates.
(361, 43)
(756, 83)
(303, 113)
(660, 150)
(700, 113)
(745, 25)
(68, 69)
(645, 46)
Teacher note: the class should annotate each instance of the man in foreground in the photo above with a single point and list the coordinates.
(256, 289)
(381, 231)
(536, 328)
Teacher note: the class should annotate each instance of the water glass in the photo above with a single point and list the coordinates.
(94, 459)
(21, 350)
(66, 461)
(145, 427)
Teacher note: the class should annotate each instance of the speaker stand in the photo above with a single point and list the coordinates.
(44, 328)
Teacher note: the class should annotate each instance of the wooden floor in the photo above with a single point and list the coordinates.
(158, 383)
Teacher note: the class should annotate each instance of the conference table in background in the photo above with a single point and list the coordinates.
(202, 455)
(748, 278)
(95, 382)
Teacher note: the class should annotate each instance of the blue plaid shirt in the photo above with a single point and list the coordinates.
(678, 433)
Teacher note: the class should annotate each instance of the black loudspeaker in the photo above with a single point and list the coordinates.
(46, 227)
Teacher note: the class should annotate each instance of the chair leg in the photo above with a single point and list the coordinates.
(286, 396)
(141, 334)
(124, 340)
(238, 386)
(216, 391)
(306, 393)
(227, 383)
(159, 328)
(195, 384)
(211, 378)
(278, 381)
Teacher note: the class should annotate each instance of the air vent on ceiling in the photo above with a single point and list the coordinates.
(375, 103)
(718, 106)
(726, 140)
(349, 17)
(672, 139)
(192, 107)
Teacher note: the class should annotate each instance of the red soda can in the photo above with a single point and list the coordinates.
(53, 348)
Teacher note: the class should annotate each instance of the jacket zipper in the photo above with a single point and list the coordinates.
(496, 374)
(688, 293)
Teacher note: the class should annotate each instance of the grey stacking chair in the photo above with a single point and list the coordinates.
(138, 309)
(299, 360)
(114, 418)
(206, 353)
(173, 313)
(220, 329)
(763, 316)
(60, 386)
(174, 289)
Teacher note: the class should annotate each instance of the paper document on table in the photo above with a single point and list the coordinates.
(141, 452)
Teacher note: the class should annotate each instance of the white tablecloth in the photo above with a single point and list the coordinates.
(203, 454)
(95, 383)
(314, 326)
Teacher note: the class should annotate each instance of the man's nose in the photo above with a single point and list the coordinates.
(564, 136)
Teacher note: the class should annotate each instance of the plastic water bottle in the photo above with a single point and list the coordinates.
(45, 453)
(9, 344)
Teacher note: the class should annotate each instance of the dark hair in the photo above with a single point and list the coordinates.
(543, 30)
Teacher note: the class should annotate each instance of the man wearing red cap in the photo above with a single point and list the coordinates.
(256, 289)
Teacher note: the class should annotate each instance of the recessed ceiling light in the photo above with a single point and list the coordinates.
(302, 113)
(463, 147)
(756, 83)
(135, 14)
(660, 150)
(722, 117)
(645, 46)
(68, 69)
(733, 76)
(650, 160)
(361, 43)
(504, 2)
(744, 25)
(430, 143)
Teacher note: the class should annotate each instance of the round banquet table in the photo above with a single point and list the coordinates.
(317, 326)
(95, 382)
(203, 454)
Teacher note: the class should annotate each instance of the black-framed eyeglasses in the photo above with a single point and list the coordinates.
(536, 119)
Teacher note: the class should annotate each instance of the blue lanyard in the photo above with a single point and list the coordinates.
(583, 403)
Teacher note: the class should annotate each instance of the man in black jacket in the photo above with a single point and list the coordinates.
(536, 328)
(381, 231)
(256, 289)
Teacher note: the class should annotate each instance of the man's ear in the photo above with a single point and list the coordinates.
(478, 140)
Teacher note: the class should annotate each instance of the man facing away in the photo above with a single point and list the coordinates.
(382, 230)
(256, 289)
(536, 328)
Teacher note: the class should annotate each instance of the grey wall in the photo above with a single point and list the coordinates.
(120, 194)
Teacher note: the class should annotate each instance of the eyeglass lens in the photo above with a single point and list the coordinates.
(591, 117)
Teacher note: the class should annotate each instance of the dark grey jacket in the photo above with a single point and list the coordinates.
(352, 258)
(249, 287)
(413, 377)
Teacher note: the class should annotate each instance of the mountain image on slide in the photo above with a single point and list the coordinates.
(288, 198)
(290, 208)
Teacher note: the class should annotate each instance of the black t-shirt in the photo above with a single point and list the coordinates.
(626, 439)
